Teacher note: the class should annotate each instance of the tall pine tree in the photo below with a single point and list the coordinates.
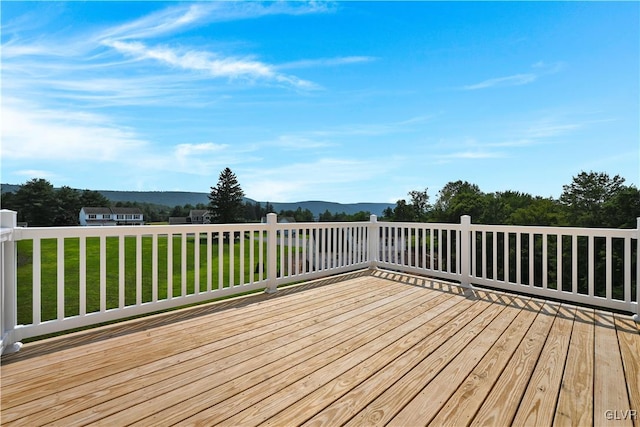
(226, 199)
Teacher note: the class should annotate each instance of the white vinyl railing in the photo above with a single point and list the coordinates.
(60, 278)
(591, 266)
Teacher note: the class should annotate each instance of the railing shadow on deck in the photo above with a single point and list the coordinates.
(160, 268)
(88, 335)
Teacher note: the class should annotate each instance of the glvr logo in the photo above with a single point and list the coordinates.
(621, 414)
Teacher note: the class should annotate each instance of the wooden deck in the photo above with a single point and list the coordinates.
(361, 349)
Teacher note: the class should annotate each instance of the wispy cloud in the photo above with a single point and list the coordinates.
(197, 159)
(515, 80)
(326, 62)
(551, 125)
(520, 79)
(32, 132)
(185, 150)
(515, 136)
(373, 129)
(547, 130)
(95, 66)
(178, 18)
(212, 64)
(40, 173)
(298, 142)
(320, 176)
(477, 154)
(160, 23)
(126, 39)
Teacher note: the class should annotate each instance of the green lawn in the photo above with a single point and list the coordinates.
(72, 272)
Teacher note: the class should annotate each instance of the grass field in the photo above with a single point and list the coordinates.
(180, 285)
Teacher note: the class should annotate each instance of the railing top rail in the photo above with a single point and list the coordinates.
(420, 224)
(323, 224)
(142, 230)
(20, 233)
(596, 232)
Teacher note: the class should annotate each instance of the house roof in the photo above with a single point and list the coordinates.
(118, 210)
(96, 210)
(198, 212)
(103, 210)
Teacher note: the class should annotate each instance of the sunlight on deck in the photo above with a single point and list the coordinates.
(367, 348)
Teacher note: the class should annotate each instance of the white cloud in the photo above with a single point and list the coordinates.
(365, 129)
(160, 23)
(30, 173)
(472, 155)
(549, 68)
(515, 80)
(213, 65)
(542, 68)
(301, 181)
(326, 62)
(32, 132)
(174, 19)
(546, 130)
(297, 142)
(185, 150)
(199, 159)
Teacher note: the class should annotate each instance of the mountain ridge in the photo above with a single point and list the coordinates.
(181, 198)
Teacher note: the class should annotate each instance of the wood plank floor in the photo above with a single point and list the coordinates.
(368, 348)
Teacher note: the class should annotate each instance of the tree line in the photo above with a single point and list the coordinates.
(592, 199)
(226, 206)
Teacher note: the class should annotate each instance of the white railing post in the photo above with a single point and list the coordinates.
(636, 316)
(8, 283)
(272, 253)
(465, 251)
(374, 242)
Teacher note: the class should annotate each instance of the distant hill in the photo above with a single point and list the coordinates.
(164, 198)
(9, 188)
(181, 198)
(319, 207)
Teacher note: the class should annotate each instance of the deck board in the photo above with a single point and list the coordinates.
(461, 407)
(609, 384)
(341, 407)
(366, 348)
(435, 394)
(630, 352)
(575, 401)
(538, 403)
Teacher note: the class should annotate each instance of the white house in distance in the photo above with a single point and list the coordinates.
(199, 216)
(196, 216)
(100, 216)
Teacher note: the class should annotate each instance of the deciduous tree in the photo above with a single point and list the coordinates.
(585, 198)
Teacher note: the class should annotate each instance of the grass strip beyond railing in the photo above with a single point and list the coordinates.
(49, 272)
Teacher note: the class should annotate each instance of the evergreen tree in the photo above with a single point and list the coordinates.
(387, 214)
(269, 208)
(35, 202)
(326, 216)
(92, 198)
(67, 206)
(226, 199)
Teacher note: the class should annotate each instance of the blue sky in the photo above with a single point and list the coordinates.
(345, 102)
